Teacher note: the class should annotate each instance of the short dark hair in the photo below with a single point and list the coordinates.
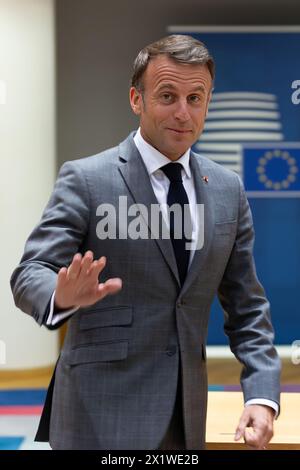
(181, 48)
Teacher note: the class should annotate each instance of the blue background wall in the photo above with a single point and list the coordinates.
(268, 63)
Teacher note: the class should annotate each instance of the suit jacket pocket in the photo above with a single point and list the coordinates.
(109, 316)
(101, 352)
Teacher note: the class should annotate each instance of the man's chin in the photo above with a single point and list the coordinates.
(180, 144)
(174, 152)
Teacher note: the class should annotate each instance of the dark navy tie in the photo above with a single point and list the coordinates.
(177, 195)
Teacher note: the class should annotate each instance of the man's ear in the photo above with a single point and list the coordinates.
(135, 98)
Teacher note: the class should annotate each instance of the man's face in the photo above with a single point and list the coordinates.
(173, 105)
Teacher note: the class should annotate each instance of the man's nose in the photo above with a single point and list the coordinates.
(181, 111)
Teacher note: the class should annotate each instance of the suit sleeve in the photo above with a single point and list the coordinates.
(52, 243)
(247, 314)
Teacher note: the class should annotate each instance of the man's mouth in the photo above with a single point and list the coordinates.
(179, 131)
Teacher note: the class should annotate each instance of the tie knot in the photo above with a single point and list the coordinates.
(173, 171)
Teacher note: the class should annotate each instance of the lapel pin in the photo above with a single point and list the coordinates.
(205, 179)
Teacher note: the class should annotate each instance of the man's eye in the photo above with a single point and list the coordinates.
(194, 98)
(166, 97)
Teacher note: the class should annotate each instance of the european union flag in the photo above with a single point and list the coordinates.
(272, 170)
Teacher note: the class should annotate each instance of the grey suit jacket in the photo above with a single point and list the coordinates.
(115, 380)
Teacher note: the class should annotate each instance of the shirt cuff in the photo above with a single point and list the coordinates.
(54, 318)
(264, 401)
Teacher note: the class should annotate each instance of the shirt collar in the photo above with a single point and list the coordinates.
(154, 160)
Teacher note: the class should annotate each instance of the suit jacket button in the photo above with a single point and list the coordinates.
(171, 350)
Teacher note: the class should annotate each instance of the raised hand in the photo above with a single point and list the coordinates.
(78, 285)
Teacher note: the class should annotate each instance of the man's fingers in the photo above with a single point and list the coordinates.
(252, 439)
(85, 264)
(96, 267)
(240, 430)
(255, 439)
(62, 277)
(74, 268)
(259, 436)
(111, 286)
(256, 426)
(238, 434)
(78, 284)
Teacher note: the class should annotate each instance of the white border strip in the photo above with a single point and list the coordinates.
(224, 352)
(233, 29)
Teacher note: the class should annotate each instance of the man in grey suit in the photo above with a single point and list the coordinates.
(132, 371)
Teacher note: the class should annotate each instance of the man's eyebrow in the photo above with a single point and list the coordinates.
(166, 85)
(199, 88)
(170, 86)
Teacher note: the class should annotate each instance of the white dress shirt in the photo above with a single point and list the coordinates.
(160, 183)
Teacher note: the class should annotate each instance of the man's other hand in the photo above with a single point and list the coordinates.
(78, 285)
(260, 418)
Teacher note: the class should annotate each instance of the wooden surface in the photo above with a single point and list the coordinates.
(225, 408)
(29, 378)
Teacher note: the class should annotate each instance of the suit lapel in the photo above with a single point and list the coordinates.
(203, 196)
(137, 180)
